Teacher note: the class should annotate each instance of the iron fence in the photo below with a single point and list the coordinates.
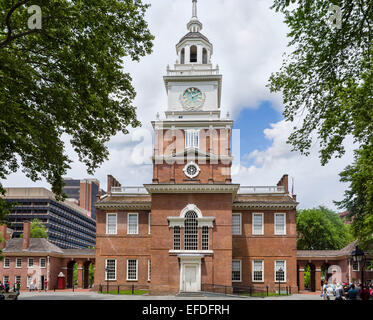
(246, 290)
(130, 289)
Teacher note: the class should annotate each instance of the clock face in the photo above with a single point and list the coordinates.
(193, 98)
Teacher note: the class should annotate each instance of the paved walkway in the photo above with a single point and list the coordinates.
(89, 295)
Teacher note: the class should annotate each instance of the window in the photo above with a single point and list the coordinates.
(177, 238)
(204, 56)
(17, 279)
(132, 223)
(6, 263)
(149, 269)
(355, 266)
(236, 224)
(111, 269)
(192, 139)
(205, 238)
(193, 54)
(236, 270)
(29, 281)
(30, 262)
(258, 271)
(258, 226)
(42, 263)
(5, 279)
(111, 223)
(132, 270)
(149, 221)
(280, 270)
(182, 56)
(191, 231)
(280, 223)
(19, 263)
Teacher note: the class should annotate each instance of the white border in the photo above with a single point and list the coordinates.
(137, 270)
(237, 214)
(252, 273)
(252, 224)
(6, 267)
(284, 230)
(106, 279)
(40, 263)
(116, 223)
(284, 272)
(16, 263)
(137, 224)
(28, 262)
(240, 261)
(192, 163)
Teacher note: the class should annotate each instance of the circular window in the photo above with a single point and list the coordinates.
(191, 170)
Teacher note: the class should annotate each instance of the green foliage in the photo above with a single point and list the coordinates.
(66, 80)
(37, 230)
(327, 83)
(321, 229)
(307, 276)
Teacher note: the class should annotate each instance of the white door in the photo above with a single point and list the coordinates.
(190, 279)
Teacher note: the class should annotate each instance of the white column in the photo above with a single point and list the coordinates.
(199, 54)
(187, 54)
(349, 270)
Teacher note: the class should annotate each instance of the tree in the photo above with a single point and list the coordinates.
(321, 229)
(37, 230)
(66, 81)
(327, 83)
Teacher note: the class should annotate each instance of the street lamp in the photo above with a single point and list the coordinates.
(280, 271)
(358, 255)
(107, 269)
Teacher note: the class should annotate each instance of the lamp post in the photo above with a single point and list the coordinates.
(107, 269)
(280, 271)
(358, 255)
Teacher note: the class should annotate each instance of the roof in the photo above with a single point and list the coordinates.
(126, 199)
(259, 198)
(36, 245)
(346, 251)
(194, 35)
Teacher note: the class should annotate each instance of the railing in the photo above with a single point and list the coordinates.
(128, 190)
(259, 189)
(193, 72)
(246, 290)
(125, 289)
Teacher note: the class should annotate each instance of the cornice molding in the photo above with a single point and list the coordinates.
(265, 206)
(195, 188)
(126, 206)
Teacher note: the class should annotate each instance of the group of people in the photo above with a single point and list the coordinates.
(6, 287)
(346, 291)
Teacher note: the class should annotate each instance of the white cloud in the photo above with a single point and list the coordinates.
(249, 39)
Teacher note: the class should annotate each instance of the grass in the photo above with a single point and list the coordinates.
(263, 294)
(127, 292)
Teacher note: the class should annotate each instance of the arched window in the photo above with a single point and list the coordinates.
(191, 231)
(204, 56)
(193, 54)
(182, 56)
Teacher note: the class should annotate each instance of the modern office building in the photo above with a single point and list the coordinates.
(67, 224)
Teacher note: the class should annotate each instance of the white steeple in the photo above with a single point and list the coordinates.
(194, 25)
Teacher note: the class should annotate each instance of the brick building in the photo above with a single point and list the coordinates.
(32, 260)
(68, 225)
(192, 227)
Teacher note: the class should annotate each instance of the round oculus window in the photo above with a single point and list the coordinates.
(191, 170)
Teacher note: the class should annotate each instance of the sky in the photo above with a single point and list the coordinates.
(249, 40)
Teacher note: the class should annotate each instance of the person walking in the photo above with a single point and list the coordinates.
(352, 293)
(364, 293)
(339, 292)
(18, 286)
(7, 286)
(1, 287)
(329, 292)
(323, 291)
(45, 285)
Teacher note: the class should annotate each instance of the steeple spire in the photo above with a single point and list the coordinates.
(194, 25)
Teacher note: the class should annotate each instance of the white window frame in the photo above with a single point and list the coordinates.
(29, 281)
(205, 239)
(4, 279)
(192, 138)
(176, 245)
(252, 273)
(137, 269)
(15, 279)
(115, 270)
(283, 233)
(28, 262)
(45, 263)
(149, 222)
(128, 224)
(18, 259)
(261, 233)
(276, 281)
(149, 269)
(240, 232)
(358, 266)
(107, 223)
(240, 261)
(6, 265)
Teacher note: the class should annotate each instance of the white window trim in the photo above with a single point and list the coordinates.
(240, 261)
(137, 270)
(237, 214)
(190, 135)
(149, 269)
(252, 273)
(45, 264)
(358, 266)
(4, 278)
(149, 222)
(28, 262)
(16, 263)
(107, 223)
(128, 220)
(284, 272)
(115, 279)
(284, 232)
(15, 279)
(4, 266)
(252, 224)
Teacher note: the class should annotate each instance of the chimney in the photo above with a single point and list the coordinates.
(294, 197)
(26, 235)
(112, 182)
(3, 236)
(284, 182)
